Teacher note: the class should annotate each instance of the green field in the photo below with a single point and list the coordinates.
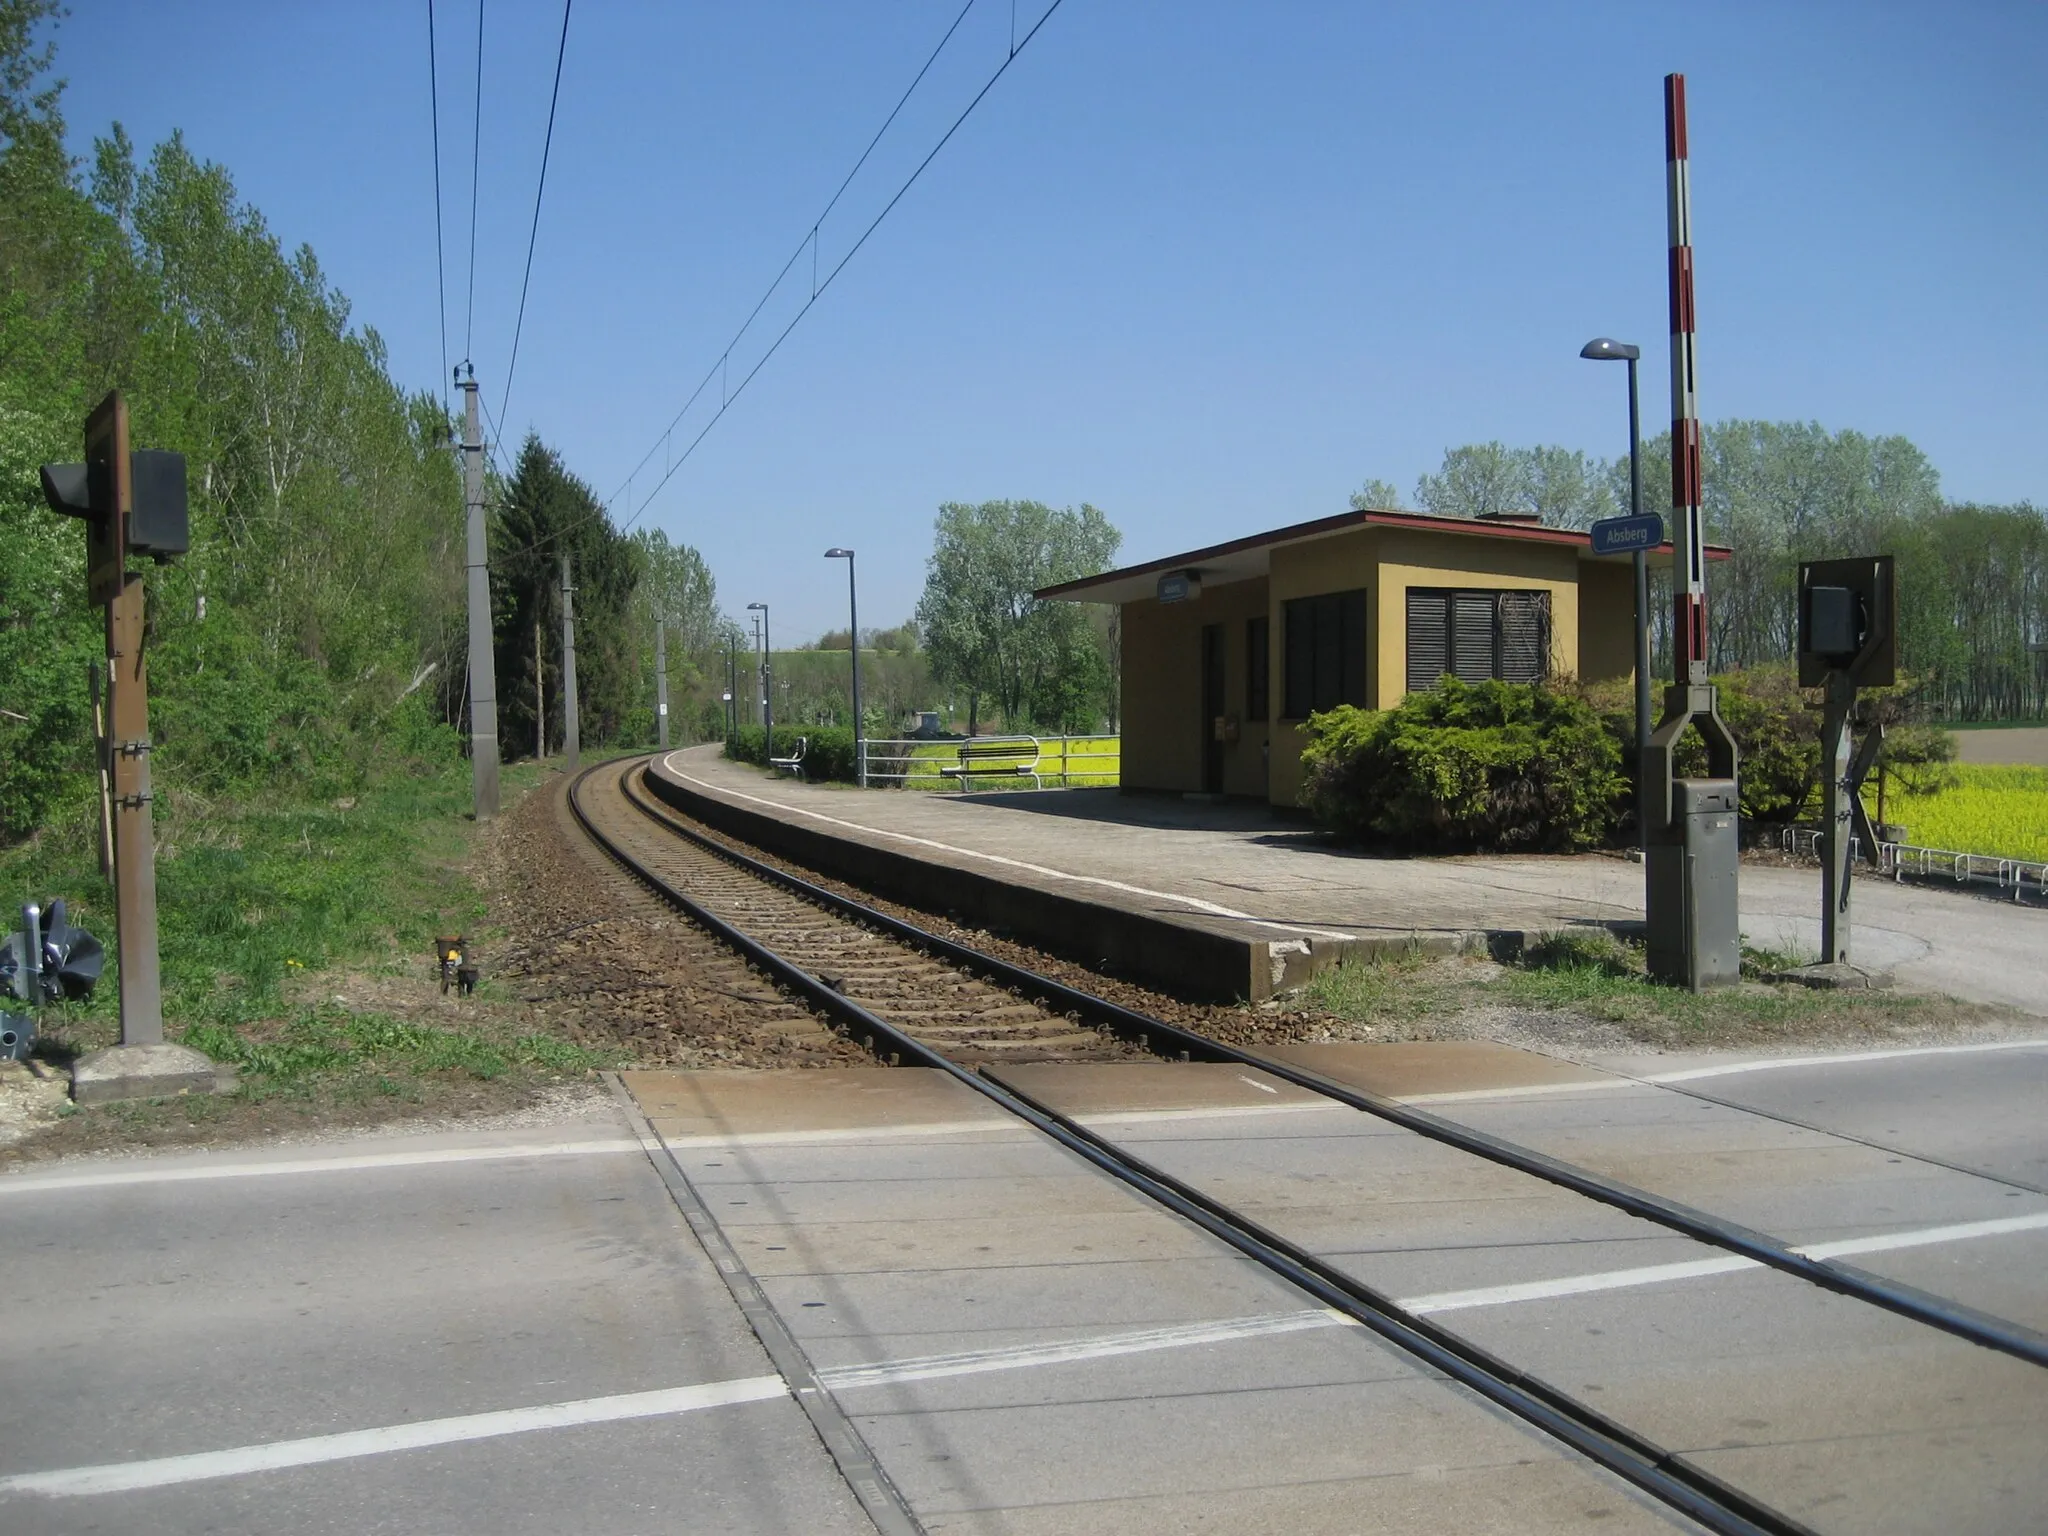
(1072, 762)
(1995, 809)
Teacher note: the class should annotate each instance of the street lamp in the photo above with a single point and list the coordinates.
(767, 671)
(860, 737)
(1603, 350)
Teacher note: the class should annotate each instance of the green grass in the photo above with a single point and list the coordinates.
(255, 897)
(1994, 808)
(1595, 976)
(331, 1049)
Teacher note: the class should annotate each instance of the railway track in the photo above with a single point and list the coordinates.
(914, 998)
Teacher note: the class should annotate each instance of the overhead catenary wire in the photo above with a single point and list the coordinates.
(809, 241)
(818, 287)
(533, 235)
(440, 259)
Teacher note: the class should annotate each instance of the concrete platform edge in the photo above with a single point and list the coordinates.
(1190, 961)
(1183, 958)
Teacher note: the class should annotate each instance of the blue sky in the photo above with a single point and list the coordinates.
(1207, 266)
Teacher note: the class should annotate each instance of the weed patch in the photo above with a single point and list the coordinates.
(1578, 977)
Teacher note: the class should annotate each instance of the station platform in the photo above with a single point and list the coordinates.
(1220, 901)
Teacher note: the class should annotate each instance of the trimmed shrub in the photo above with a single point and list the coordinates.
(1497, 766)
(829, 755)
(1776, 725)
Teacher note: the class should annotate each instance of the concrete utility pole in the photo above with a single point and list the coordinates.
(860, 735)
(483, 672)
(570, 732)
(660, 685)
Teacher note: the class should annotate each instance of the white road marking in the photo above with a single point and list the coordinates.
(30, 1184)
(1019, 1356)
(1577, 1285)
(164, 1472)
(1658, 1274)
(1471, 1095)
(1262, 1087)
(1841, 1059)
(1921, 1237)
(1210, 907)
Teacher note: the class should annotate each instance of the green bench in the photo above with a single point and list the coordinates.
(995, 757)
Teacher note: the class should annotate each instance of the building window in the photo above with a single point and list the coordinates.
(1258, 668)
(1325, 639)
(1473, 636)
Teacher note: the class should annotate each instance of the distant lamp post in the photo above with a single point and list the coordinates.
(860, 735)
(1604, 350)
(767, 677)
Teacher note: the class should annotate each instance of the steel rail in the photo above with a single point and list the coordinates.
(1657, 1471)
(1980, 1328)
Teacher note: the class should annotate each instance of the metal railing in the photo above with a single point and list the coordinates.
(1053, 762)
(1899, 860)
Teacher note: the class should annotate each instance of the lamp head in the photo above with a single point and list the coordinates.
(838, 554)
(1603, 349)
(763, 607)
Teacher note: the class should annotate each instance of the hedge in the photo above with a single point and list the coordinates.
(829, 755)
(1495, 766)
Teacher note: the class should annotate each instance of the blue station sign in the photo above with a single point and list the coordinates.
(1625, 535)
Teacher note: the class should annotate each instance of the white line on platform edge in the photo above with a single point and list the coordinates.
(1209, 907)
(162, 1472)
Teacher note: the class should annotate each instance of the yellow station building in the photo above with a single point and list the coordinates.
(1228, 650)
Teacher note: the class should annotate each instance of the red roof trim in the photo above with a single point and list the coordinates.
(1294, 533)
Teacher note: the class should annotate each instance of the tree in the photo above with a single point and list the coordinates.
(1566, 489)
(546, 513)
(1376, 496)
(984, 630)
(1478, 480)
(326, 506)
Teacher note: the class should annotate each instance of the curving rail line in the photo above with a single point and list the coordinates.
(848, 960)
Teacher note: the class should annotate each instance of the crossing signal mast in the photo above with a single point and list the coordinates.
(133, 503)
(1690, 826)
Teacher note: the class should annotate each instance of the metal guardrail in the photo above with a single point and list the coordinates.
(1899, 860)
(913, 763)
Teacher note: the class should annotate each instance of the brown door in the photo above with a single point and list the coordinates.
(1212, 708)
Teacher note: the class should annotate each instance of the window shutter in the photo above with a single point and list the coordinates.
(1472, 650)
(1524, 636)
(1429, 653)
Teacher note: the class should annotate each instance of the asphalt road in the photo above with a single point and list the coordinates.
(516, 1331)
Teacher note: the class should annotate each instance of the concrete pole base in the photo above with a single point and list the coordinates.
(1837, 975)
(145, 1072)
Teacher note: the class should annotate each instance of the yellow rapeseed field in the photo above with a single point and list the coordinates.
(1996, 809)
